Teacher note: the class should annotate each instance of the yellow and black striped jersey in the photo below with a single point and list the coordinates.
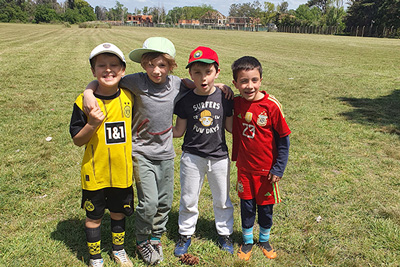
(107, 160)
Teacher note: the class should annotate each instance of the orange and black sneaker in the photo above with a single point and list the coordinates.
(244, 252)
(268, 251)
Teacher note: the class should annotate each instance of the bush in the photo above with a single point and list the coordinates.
(94, 24)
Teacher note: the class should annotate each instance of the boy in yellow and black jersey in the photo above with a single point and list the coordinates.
(106, 172)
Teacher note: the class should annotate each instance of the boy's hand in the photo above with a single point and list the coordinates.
(96, 117)
(273, 178)
(226, 90)
(189, 83)
(89, 100)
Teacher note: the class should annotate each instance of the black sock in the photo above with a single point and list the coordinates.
(118, 234)
(93, 238)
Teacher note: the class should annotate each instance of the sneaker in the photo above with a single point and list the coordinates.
(121, 258)
(149, 255)
(244, 252)
(268, 251)
(182, 245)
(96, 263)
(225, 242)
(158, 248)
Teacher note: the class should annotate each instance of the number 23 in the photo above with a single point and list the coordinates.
(248, 128)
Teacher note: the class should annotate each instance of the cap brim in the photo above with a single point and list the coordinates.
(208, 61)
(136, 55)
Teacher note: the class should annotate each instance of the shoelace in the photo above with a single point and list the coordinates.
(227, 240)
(122, 255)
(145, 250)
(182, 241)
(98, 262)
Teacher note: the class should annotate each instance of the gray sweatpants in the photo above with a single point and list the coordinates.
(193, 170)
(155, 189)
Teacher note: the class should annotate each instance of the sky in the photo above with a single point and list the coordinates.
(220, 5)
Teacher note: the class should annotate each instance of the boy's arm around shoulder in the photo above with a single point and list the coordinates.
(229, 123)
(180, 127)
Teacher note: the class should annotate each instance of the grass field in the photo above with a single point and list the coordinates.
(341, 98)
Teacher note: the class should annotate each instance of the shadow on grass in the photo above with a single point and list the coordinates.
(72, 233)
(205, 228)
(382, 112)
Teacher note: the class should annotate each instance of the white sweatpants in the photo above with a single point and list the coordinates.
(192, 171)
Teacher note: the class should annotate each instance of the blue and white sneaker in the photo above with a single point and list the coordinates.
(226, 243)
(182, 245)
(96, 263)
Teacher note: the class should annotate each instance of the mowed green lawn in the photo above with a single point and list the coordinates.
(341, 98)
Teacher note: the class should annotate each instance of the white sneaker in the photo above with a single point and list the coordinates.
(157, 247)
(121, 258)
(96, 263)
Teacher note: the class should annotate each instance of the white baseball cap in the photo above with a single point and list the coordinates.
(107, 48)
(153, 44)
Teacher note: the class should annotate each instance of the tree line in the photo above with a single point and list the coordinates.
(372, 16)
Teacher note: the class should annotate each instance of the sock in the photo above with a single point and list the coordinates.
(93, 238)
(264, 234)
(155, 238)
(247, 235)
(118, 234)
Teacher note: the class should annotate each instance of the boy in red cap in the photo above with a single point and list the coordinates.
(260, 149)
(203, 114)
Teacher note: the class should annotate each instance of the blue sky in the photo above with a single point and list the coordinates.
(220, 5)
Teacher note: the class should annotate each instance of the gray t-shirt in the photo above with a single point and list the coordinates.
(152, 115)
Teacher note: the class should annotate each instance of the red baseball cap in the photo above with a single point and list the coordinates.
(203, 54)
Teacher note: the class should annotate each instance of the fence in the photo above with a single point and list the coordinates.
(373, 31)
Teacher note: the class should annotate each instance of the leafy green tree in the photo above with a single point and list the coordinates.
(72, 16)
(323, 5)
(283, 7)
(268, 14)
(368, 13)
(308, 16)
(249, 10)
(45, 13)
(11, 11)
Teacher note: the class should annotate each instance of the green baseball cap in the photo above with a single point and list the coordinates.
(153, 44)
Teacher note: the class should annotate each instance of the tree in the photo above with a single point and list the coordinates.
(101, 13)
(268, 13)
(248, 10)
(321, 4)
(10, 11)
(373, 15)
(308, 16)
(283, 8)
(45, 13)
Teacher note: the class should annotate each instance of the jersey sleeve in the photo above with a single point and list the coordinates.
(78, 118)
(278, 118)
(282, 145)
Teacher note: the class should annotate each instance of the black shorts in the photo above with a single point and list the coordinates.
(117, 200)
